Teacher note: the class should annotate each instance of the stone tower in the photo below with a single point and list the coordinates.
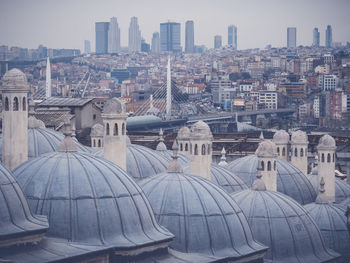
(281, 139)
(183, 140)
(114, 139)
(326, 165)
(267, 154)
(14, 118)
(299, 143)
(201, 140)
(96, 135)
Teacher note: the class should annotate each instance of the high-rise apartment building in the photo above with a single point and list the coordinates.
(291, 37)
(155, 43)
(329, 36)
(316, 37)
(87, 47)
(113, 36)
(101, 29)
(170, 37)
(189, 41)
(134, 35)
(232, 36)
(217, 41)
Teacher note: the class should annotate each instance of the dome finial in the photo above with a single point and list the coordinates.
(261, 137)
(258, 184)
(175, 166)
(67, 145)
(322, 197)
(161, 146)
(223, 157)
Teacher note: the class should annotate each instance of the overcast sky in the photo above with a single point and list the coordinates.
(67, 23)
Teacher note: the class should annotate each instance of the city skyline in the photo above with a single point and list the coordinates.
(35, 18)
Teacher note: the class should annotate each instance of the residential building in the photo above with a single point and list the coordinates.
(268, 98)
(294, 90)
(189, 38)
(101, 29)
(232, 36)
(170, 37)
(291, 37)
(134, 35)
(155, 43)
(217, 41)
(329, 37)
(113, 36)
(316, 37)
(330, 82)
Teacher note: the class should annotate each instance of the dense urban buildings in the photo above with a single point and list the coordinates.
(134, 35)
(101, 29)
(170, 37)
(291, 37)
(113, 36)
(316, 37)
(217, 41)
(155, 42)
(329, 37)
(189, 37)
(232, 36)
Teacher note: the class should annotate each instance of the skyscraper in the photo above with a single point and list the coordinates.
(329, 37)
(316, 37)
(87, 47)
(155, 43)
(189, 40)
(113, 36)
(101, 29)
(291, 37)
(170, 37)
(217, 41)
(134, 35)
(232, 36)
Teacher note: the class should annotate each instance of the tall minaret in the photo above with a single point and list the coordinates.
(267, 154)
(281, 139)
(48, 78)
(201, 140)
(114, 119)
(168, 91)
(326, 165)
(299, 143)
(15, 118)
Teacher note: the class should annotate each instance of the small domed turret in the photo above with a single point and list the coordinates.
(266, 149)
(114, 106)
(299, 137)
(281, 137)
(14, 79)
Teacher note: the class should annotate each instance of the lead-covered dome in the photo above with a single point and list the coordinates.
(114, 106)
(331, 221)
(97, 130)
(266, 148)
(200, 129)
(184, 133)
(14, 79)
(284, 226)
(299, 137)
(281, 137)
(17, 223)
(89, 200)
(326, 142)
(202, 216)
(290, 181)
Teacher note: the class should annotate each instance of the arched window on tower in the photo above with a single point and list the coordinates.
(301, 152)
(24, 104)
(209, 148)
(99, 143)
(7, 106)
(296, 152)
(181, 147)
(278, 151)
(284, 151)
(115, 130)
(328, 158)
(186, 147)
(190, 148)
(262, 165)
(333, 157)
(123, 128)
(322, 158)
(203, 149)
(94, 143)
(15, 104)
(274, 165)
(107, 129)
(269, 166)
(195, 149)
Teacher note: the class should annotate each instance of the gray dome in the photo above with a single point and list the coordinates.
(184, 133)
(281, 137)
(43, 140)
(89, 200)
(202, 216)
(17, 223)
(14, 79)
(142, 162)
(326, 142)
(283, 225)
(114, 106)
(331, 221)
(35, 123)
(290, 181)
(266, 148)
(200, 129)
(345, 203)
(342, 189)
(97, 130)
(224, 178)
(183, 159)
(299, 137)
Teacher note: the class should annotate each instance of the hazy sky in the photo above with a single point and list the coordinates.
(67, 23)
